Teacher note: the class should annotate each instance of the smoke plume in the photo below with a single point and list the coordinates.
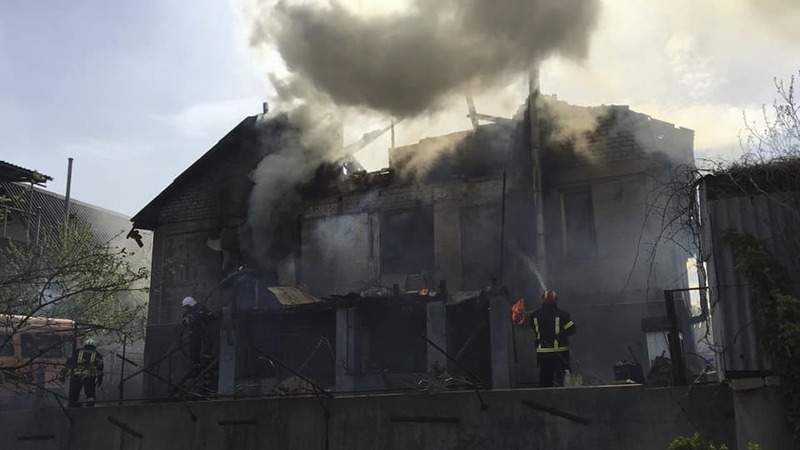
(296, 143)
(779, 16)
(403, 64)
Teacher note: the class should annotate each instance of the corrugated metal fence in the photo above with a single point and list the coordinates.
(774, 218)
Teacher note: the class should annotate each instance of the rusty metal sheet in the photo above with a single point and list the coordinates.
(291, 296)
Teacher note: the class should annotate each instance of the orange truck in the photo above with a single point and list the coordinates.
(33, 352)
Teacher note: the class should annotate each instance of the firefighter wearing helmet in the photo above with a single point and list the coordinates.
(553, 327)
(85, 368)
(196, 322)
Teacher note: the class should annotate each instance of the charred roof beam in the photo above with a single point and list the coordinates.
(487, 117)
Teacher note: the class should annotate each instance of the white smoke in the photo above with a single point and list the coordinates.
(296, 148)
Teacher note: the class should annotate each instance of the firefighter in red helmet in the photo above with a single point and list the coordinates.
(553, 327)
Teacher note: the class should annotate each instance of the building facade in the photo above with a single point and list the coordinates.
(377, 280)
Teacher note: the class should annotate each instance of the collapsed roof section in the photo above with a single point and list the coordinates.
(571, 136)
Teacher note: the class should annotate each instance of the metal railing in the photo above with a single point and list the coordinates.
(678, 326)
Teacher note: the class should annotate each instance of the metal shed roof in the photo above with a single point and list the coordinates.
(11, 172)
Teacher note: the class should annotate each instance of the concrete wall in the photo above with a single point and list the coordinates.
(610, 290)
(608, 293)
(350, 227)
(339, 253)
(583, 418)
(760, 417)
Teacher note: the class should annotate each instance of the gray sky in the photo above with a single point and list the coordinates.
(134, 91)
(137, 91)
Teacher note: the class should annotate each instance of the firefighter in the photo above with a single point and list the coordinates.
(196, 323)
(553, 327)
(86, 371)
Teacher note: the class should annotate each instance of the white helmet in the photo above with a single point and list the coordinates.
(189, 301)
(89, 341)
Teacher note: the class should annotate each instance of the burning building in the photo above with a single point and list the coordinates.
(355, 280)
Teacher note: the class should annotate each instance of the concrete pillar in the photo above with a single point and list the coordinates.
(500, 339)
(447, 242)
(345, 348)
(374, 236)
(226, 379)
(436, 332)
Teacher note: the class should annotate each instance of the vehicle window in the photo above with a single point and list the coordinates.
(44, 344)
(8, 348)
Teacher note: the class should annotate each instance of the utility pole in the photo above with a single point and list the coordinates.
(66, 197)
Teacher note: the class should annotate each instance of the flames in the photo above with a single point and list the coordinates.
(518, 312)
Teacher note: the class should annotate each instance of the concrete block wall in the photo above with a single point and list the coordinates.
(609, 292)
(755, 400)
(622, 418)
(341, 236)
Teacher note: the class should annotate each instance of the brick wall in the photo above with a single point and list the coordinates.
(183, 263)
(219, 193)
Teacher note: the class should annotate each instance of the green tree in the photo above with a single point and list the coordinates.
(73, 276)
(698, 443)
(694, 443)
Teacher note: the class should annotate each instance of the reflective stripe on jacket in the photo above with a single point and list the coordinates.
(88, 363)
(553, 328)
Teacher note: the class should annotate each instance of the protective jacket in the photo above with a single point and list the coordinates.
(195, 319)
(553, 328)
(88, 362)
(86, 371)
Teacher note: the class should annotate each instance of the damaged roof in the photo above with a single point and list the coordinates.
(11, 172)
(606, 134)
(464, 154)
(617, 134)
